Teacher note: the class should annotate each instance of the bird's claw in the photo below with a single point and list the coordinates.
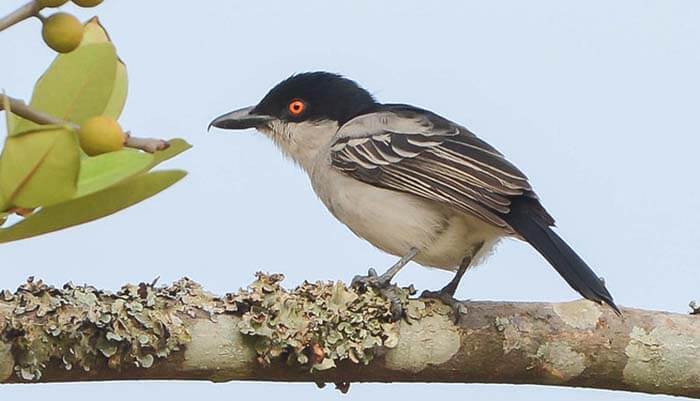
(448, 299)
(372, 279)
(390, 292)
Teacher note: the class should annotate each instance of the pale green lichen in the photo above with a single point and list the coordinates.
(314, 326)
(666, 357)
(511, 334)
(435, 341)
(515, 332)
(318, 324)
(82, 327)
(582, 314)
(560, 360)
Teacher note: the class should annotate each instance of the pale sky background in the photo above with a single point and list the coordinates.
(597, 101)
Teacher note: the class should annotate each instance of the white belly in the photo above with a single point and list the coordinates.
(395, 222)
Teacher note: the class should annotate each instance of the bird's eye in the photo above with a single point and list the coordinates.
(296, 107)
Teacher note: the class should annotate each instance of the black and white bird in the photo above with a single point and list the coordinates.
(409, 181)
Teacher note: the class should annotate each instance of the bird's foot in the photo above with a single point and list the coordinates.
(372, 279)
(447, 297)
(382, 284)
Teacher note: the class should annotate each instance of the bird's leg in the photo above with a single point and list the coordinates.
(383, 283)
(447, 293)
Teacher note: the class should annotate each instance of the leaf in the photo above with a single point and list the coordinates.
(99, 172)
(78, 85)
(8, 112)
(91, 207)
(96, 33)
(176, 147)
(39, 167)
(121, 88)
(9, 122)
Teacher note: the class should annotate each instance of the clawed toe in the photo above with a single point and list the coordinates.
(372, 279)
(448, 299)
(392, 294)
(383, 285)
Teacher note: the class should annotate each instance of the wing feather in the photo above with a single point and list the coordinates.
(414, 151)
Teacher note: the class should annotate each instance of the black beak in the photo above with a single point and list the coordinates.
(240, 119)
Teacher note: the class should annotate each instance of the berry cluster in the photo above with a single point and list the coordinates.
(62, 31)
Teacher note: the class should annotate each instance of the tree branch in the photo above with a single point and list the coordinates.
(324, 332)
(28, 10)
(20, 108)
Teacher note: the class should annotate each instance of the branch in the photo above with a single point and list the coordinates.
(21, 109)
(325, 332)
(28, 10)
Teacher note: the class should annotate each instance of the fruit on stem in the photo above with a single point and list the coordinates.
(101, 135)
(87, 3)
(51, 3)
(62, 32)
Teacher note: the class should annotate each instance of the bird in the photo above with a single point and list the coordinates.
(409, 181)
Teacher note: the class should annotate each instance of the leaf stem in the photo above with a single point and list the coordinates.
(20, 108)
(23, 110)
(150, 145)
(28, 10)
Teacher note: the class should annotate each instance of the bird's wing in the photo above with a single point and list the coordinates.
(411, 150)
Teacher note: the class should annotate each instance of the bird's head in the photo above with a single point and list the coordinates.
(303, 112)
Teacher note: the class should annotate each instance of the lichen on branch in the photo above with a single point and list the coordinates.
(326, 332)
(81, 327)
(318, 324)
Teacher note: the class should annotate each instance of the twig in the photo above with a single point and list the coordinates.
(23, 110)
(20, 108)
(149, 145)
(28, 10)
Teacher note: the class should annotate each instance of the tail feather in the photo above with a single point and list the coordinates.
(529, 219)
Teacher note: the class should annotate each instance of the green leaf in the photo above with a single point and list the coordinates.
(96, 33)
(121, 88)
(39, 167)
(91, 207)
(9, 120)
(176, 147)
(99, 172)
(78, 85)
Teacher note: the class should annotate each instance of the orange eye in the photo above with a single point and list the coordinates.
(296, 107)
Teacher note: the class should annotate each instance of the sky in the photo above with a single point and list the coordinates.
(596, 101)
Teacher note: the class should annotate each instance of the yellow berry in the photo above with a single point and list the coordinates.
(101, 135)
(87, 3)
(62, 32)
(51, 3)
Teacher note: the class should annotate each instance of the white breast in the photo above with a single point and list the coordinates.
(396, 222)
(392, 221)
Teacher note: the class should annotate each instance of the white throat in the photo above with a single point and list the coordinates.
(302, 141)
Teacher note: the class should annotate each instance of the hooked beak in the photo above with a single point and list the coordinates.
(240, 119)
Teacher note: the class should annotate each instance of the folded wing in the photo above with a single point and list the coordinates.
(412, 150)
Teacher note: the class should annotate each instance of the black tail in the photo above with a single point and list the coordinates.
(529, 219)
